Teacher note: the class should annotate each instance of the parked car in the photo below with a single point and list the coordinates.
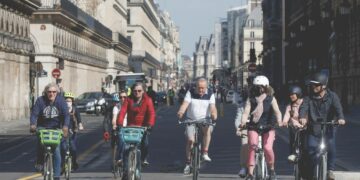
(93, 102)
(161, 97)
(230, 96)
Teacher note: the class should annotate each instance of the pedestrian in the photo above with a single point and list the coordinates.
(152, 94)
(261, 106)
(51, 112)
(198, 104)
(321, 105)
(171, 94)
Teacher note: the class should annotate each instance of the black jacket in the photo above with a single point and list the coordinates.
(327, 108)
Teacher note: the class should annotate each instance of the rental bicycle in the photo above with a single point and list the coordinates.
(68, 158)
(49, 139)
(116, 168)
(298, 153)
(196, 149)
(132, 137)
(321, 167)
(261, 171)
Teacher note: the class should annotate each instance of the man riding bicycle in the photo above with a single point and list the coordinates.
(140, 112)
(200, 104)
(321, 104)
(51, 112)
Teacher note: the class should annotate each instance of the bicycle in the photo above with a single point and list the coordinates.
(49, 139)
(116, 168)
(195, 151)
(132, 137)
(68, 158)
(261, 171)
(321, 167)
(298, 153)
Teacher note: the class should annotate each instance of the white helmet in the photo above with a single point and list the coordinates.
(261, 80)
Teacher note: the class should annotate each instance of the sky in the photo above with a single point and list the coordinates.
(196, 18)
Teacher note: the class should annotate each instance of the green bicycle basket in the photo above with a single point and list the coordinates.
(132, 135)
(50, 137)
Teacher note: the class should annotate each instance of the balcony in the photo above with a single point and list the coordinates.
(70, 9)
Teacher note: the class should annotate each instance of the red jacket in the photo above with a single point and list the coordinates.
(142, 115)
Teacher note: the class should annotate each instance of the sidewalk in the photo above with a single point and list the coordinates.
(15, 127)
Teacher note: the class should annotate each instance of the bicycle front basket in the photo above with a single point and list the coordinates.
(50, 137)
(132, 135)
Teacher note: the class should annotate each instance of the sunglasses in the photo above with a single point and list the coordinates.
(51, 92)
(122, 97)
(137, 90)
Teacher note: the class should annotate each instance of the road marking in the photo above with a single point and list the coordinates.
(81, 157)
(30, 177)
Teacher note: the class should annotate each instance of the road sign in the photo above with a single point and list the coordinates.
(56, 73)
(252, 67)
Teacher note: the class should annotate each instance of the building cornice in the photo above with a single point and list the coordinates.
(147, 9)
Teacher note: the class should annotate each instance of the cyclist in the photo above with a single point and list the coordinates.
(50, 111)
(140, 112)
(200, 104)
(74, 126)
(321, 104)
(110, 120)
(244, 140)
(261, 106)
(291, 117)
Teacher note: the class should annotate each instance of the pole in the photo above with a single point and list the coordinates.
(37, 85)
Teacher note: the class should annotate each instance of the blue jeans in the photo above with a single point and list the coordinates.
(313, 148)
(56, 158)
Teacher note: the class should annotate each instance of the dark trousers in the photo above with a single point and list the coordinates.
(313, 149)
(72, 148)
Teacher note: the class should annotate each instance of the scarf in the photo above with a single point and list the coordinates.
(258, 111)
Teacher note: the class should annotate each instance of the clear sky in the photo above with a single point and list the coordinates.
(196, 18)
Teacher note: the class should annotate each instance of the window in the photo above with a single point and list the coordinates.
(252, 45)
(252, 34)
(251, 23)
(128, 16)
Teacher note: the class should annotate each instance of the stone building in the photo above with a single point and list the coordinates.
(68, 38)
(143, 30)
(204, 57)
(16, 49)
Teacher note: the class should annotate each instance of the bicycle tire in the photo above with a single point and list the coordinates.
(258, 168)
(297, 172)
(131, 166)
(45, 167)
(68, 166)
(322, 167)
(48, 170)
(195, 162)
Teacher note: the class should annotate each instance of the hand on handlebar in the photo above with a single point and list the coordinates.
(303, 121)
(341, 122)
(32, 128)
(65, 131)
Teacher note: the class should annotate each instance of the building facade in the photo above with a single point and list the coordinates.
(16, 49)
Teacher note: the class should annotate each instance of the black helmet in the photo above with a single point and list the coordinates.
(319, 78)
(295, 90)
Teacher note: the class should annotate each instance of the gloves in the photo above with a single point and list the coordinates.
(106, 136)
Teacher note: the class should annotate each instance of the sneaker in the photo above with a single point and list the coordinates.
(206, 157)
(249, 177)
(145, 162)
(292, 158)
(272, 175)
(242, 172)
(330, 175)
(187, 169)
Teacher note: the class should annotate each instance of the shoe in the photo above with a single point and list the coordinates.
(272, 175)
(145, 162)
(292, 158)
(187, 169)
(249, 177)
(206, 157)
(242, 172)
(119, 162)
(330, 175)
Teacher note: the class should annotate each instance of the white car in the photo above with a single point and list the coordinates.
(230, 96)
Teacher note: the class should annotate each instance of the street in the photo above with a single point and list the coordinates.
(17, 150)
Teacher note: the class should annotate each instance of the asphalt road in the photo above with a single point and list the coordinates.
(17, 151)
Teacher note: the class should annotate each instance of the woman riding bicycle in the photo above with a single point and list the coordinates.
(51, 112)
(74, 126)
(140, 112)
(261, 106)
(291, 117)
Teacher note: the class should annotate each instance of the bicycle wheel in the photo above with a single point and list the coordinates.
(297, 171)
(195, 162)
(131, 166)
(258, 170)
(48, 168)
(322, 167)
(68, 166)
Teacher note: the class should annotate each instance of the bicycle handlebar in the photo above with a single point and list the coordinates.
(204, 121)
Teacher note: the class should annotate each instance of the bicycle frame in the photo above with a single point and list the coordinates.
(68, 159)
(48, 171)
(298, 153)
(262, 171)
